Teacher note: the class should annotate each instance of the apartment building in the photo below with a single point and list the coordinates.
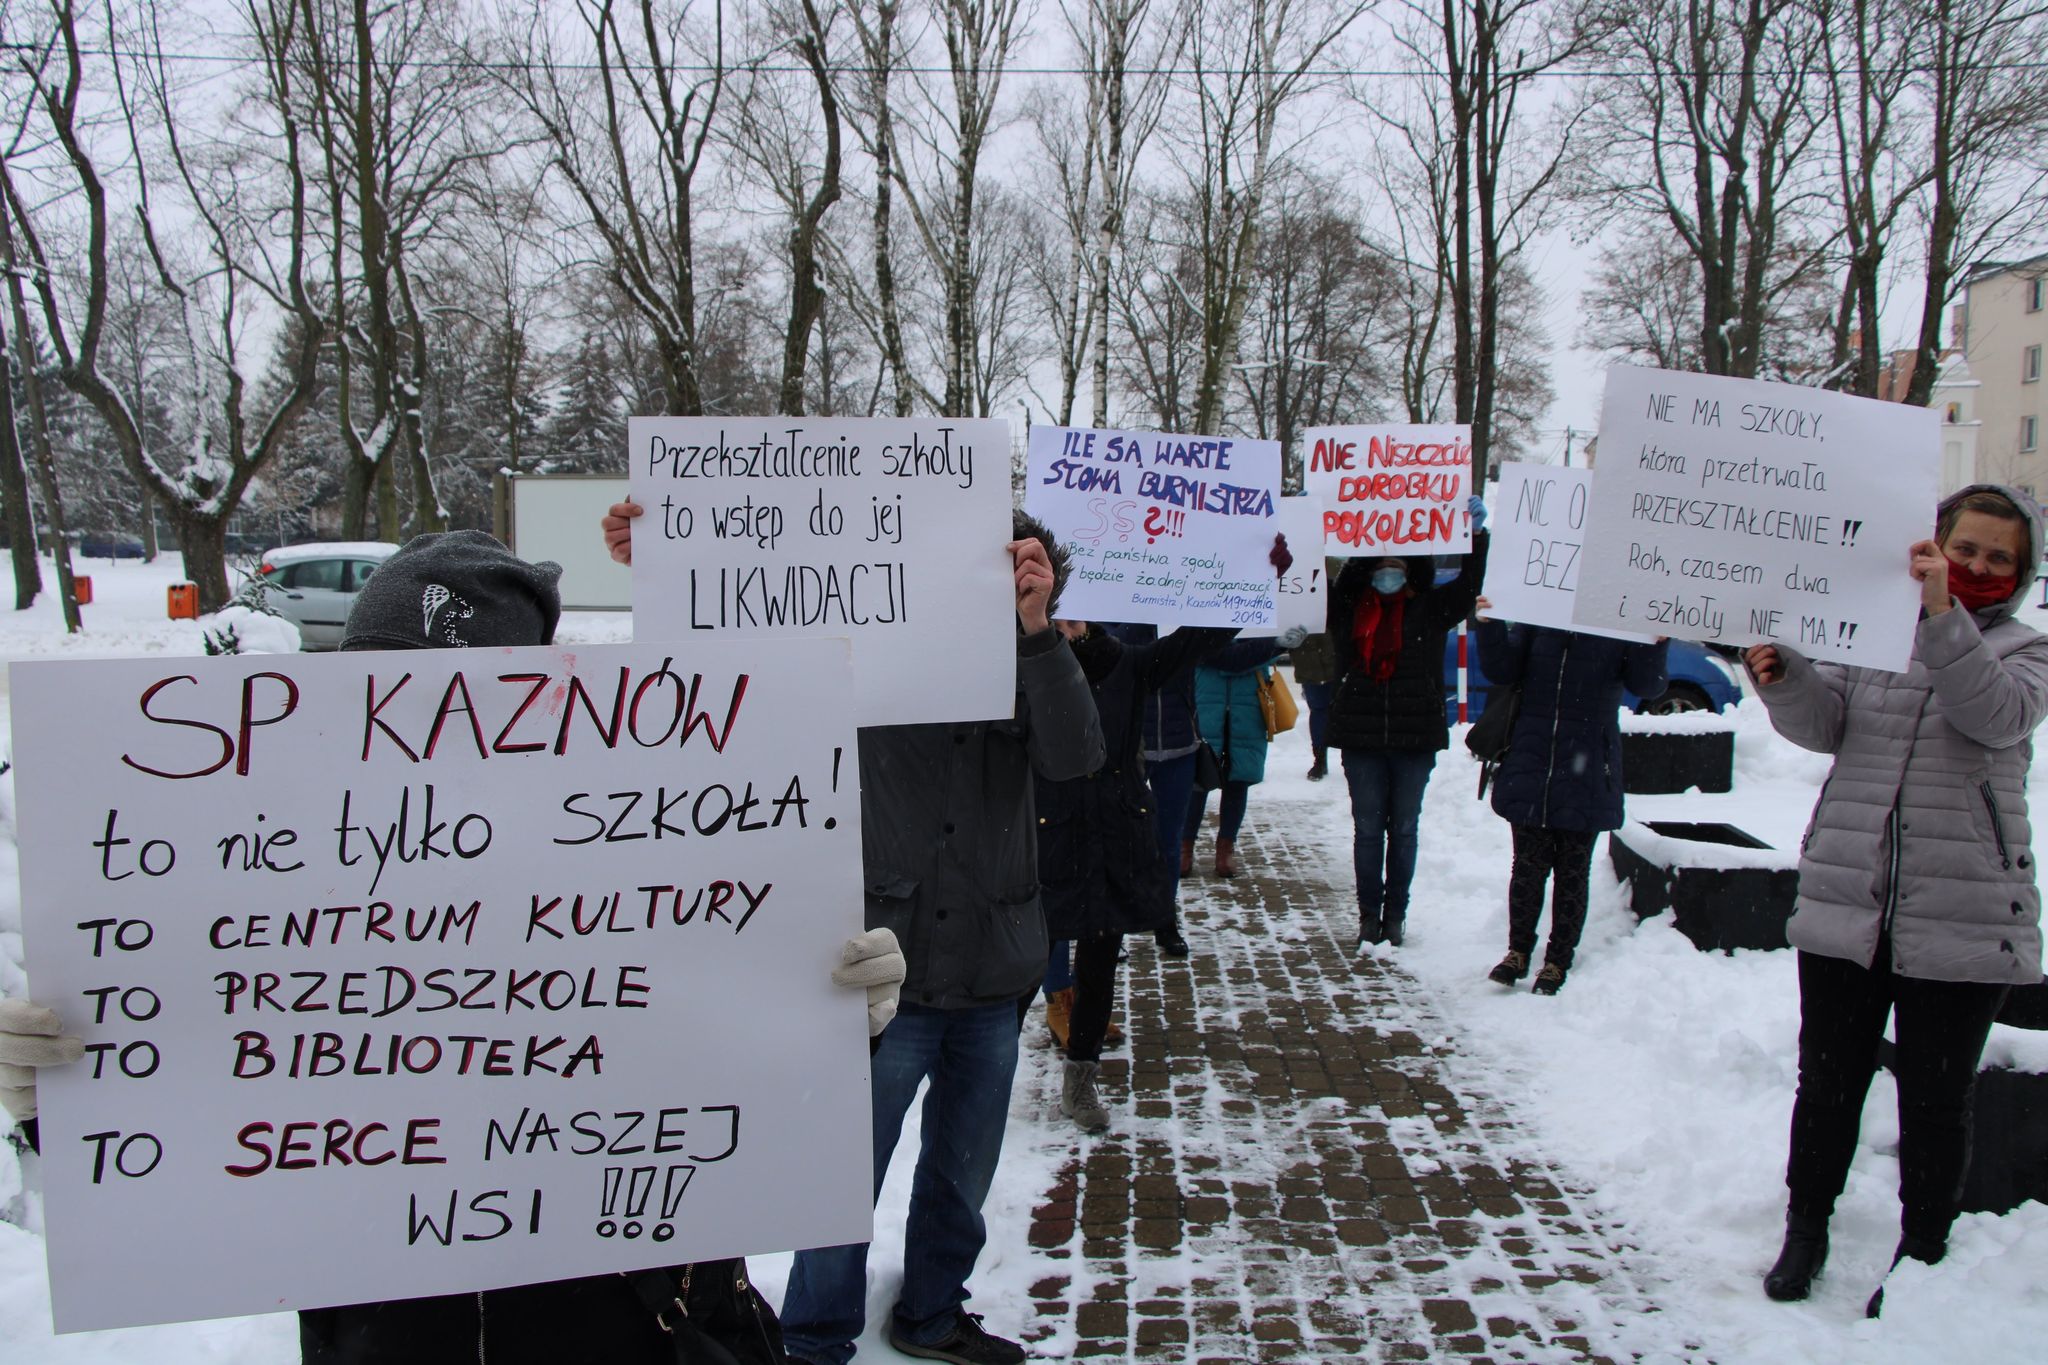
(2001, 327)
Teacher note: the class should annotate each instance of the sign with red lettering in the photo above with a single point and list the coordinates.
(1166, 529)
(423, 972)
(888, 531)
(1392, 488)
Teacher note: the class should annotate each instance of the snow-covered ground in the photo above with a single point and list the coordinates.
(1660, 1081)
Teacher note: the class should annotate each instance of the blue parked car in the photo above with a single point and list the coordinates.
(1701, 680)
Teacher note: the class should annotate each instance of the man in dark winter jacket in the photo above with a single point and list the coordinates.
(950, 850)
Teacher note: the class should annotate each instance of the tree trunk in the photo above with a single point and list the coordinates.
(21, 516)
(150, 549)
(44, 462)
(203, 539)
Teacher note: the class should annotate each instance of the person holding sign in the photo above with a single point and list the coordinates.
(1560, 784)
(456, 590)
(950, 852)
(1917, 896)
(1388, 620)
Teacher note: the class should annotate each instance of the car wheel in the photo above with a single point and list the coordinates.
(1676, 701)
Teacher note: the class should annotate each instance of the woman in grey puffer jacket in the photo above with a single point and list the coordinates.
(1916, 877)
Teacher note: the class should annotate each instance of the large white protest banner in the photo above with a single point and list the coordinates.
(1392, 488)
(1538, 524)
(1302, 595)
(888, 531)
(422, 972)
(1165, 529)
(1740, 511)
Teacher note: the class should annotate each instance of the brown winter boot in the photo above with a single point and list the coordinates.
(1113, 1035)
(1059, 1010)
(1226, 857)
(1187, 857)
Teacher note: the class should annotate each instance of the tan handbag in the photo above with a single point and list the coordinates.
(1276, 703)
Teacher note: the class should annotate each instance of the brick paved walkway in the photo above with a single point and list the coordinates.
(1295, 1174)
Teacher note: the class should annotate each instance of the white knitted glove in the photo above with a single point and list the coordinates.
(874, 962)
(30, 1037)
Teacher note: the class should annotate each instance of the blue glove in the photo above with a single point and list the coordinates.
(1476, 505)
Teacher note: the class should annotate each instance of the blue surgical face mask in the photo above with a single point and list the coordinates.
(1387, 582)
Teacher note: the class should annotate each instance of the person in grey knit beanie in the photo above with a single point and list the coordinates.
(455, 589)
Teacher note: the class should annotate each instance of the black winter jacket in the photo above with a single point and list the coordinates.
(1099, 863)
(595, 1320)
(949, 844)
(1405, 713)
(1563, 766)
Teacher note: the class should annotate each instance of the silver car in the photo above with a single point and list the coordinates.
(314, 585)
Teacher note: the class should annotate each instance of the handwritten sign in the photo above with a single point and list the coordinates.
(423, 972)
(1539, 524)
(1170, 530)
(1303, 592)
(889, 532)
(1741, 511)
(1392, 488)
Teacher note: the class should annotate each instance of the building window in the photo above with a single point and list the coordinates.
(1955, 412)
(2037, 294)
(2030, 432)
(2030, 364)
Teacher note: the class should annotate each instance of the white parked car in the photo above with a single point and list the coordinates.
(315, 584)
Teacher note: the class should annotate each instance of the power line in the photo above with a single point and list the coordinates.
(858, 69)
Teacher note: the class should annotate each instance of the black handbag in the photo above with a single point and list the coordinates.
(1210, 771)
(711, 1313)
(1490, 735)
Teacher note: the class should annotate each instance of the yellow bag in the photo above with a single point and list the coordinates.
(1276, 703)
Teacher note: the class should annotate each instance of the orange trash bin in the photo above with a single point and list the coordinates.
(184, 601)
(81, 589)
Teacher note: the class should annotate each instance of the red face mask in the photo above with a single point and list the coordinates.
(1977, 591)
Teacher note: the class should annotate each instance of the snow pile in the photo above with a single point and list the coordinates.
(1678, 723)
(1673, 851)
(251, 631)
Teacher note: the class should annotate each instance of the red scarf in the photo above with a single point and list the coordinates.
(1376, 627)
(1977, 591)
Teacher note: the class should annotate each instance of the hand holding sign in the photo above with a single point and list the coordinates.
(1930, 571)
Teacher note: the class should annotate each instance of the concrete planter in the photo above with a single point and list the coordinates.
(1725, 888)
(1663, 755)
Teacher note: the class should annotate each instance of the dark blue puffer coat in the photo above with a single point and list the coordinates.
(1563, 768)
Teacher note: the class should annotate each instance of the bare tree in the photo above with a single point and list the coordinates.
(1985, 79)
(1705, 121)
(1488, 156)
(232, 433)
(1250, 63)
(776, 140)
(626, 106)
(398, 121)
(1313, 352)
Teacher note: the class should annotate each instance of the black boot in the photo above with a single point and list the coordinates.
(1396, 927)
(1804, 1253)
(1371, 929)
(1170, 940)
(1922, 1249)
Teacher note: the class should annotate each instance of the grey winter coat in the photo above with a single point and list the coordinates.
(949, 832)
(1922, 824)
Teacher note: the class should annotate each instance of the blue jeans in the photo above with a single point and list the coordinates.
(1386, 815)
(1059, 970)
(970, 1056)
(1318, 696)
(1173, 783)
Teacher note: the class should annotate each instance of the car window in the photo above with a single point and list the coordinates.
(359, 571)
(315, 573)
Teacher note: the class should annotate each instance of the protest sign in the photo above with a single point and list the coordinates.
(1170, 530)
(1303, 592)
(1538, 524)
(421, 972)
(1392, 488)
(887, 531)
(1739, 511)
